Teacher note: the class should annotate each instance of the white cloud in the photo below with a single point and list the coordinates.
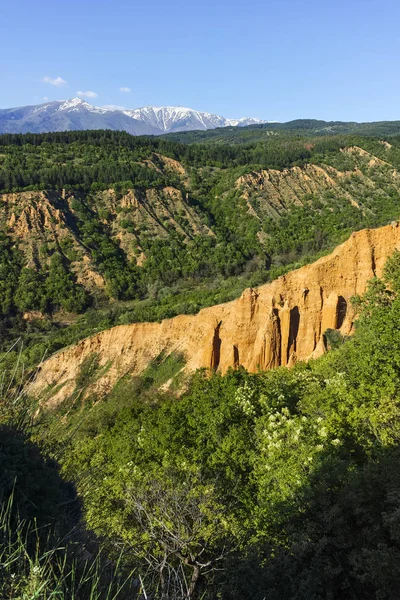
(87, 94)
(57, 81)
(114, 107)
(45, 98)
(126, 90)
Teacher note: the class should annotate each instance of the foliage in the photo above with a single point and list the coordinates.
(36, 563)
(10, 264)
(281, 484)
(287, 480)
(45, 551)
(304, 127)
(61, 288)
(80, 159)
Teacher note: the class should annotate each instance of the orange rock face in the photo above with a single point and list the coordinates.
(276, 324)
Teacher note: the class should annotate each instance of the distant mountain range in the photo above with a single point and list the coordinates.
(183, 124)
(77, 114)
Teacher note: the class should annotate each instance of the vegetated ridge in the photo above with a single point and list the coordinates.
(299, 127)
(205, 215)
(277, 483)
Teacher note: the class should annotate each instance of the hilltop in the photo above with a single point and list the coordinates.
(299, 127)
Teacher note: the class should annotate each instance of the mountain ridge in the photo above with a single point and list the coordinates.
(182, 124)
(75, 113)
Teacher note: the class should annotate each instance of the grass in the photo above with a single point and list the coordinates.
(45, 551)
(35, 564)
(162, 369)
(87, 416)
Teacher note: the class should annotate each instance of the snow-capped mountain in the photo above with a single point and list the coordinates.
(76, 104)
(69, 115)
(179, 118)
(176, 118)
(77, 114)
(244, 121)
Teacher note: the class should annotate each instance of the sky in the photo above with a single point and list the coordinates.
(272, 59)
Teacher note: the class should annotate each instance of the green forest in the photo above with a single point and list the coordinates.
(282, 484)
(304, 127)
(244, 486)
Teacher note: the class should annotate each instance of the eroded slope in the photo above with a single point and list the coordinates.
(272, 193)
(44, 222)
(273, 325)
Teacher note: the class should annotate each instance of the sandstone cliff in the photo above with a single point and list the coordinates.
(273, 325)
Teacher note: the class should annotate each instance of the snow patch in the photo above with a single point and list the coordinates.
(76, 104)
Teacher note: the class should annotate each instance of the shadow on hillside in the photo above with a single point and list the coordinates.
(34, 482)
(41, 529)
(341, 538)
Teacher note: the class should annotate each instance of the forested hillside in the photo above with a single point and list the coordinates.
(287, 481)
(278, 484)
(272, 485)
(199, 307)
(120, 229)
(298, 127)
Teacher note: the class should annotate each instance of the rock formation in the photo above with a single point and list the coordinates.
(276, 324)
(272, 193)
(40, 222)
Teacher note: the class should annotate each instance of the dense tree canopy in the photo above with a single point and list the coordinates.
(286, 480)
(245, 486)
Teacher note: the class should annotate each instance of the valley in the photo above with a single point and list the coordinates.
(200, 300)
(120, 229)
(200, 365)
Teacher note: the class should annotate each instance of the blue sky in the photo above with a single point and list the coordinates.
(276, 59)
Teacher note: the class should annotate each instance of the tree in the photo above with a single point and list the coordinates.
(181, 533)
(10, 265)
(30, 293)
(61, 289)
